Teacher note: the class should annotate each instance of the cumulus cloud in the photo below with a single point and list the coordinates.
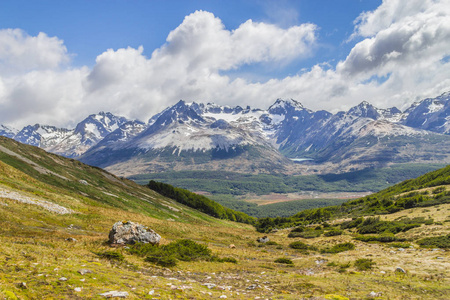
(20, 52)
(399, 58)
(399, 33)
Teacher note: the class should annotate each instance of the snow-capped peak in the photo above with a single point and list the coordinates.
(7, 131)
(281, 106)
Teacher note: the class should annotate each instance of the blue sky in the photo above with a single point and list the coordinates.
(60, 60)
(90, 27)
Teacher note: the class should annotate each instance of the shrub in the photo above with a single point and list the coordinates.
(163, 261)
(298, 245)
(438, 190)
(339, 248)
(364, 264)
(111, 255)
(271, 243)
(187, 250)
(295, 234)
(225, 259)
(283, 260)
(333, 232)
(435, 242)
(308, 234)
(384, 238)
(166, 256)
(400, 245)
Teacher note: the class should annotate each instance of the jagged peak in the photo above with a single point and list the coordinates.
(283, 102)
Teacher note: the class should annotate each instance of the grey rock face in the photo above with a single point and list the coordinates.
(130, 233)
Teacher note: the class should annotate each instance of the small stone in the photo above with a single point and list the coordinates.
(71, 239)
(209, 285)
(373, 294)
(63, 279)
(263, 239)
(114, 294)
(84, 271)
(151, 292)
(382, 272)
(223, 297)
(232, 246)
(439, 257)
(77, 289)
(400, 270)
(401, 249)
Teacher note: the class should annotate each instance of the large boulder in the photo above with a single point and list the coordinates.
(130, 233)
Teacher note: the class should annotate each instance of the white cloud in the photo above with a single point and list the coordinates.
(20, 52)
(399, 33)
(407, 47)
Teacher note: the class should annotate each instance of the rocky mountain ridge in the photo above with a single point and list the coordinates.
(197, 135)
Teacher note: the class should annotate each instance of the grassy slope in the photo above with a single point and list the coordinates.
(34, 249)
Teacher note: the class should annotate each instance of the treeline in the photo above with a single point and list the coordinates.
(220, 182)
(280, 209)
(200, 203)
(426, 190)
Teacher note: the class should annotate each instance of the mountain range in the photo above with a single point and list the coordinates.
(286, 138)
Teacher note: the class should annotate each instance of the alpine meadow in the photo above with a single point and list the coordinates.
(254, 149)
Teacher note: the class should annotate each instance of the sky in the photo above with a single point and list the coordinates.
(63, 60)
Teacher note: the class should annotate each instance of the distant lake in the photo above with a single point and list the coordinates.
(300, 159)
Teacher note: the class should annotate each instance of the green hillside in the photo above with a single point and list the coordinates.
(56, 213)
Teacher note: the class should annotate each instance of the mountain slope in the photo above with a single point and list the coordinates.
(181, 138)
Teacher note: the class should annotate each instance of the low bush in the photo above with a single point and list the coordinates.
(333, 232)
(163, 261)
(383, 238)
(283, 260)
(364, 264)
(400, 245)
(435, 242)
(271, 243)
(298, 245)
(166, 256)
(111, 255)
(339, 248)
(307, 234)
(225, 259)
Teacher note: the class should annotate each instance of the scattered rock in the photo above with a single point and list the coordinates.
(373, 294)
(130, 233)
(22, 285)
(84, 271)
(115, 294)
(252, 287)
(232, 246)
(223, 297)
(71, 239)
(63, 279)
(83, 182)
(77, 289)
(263, 239)
(400, 270)
(439, 257)
(209, 285)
